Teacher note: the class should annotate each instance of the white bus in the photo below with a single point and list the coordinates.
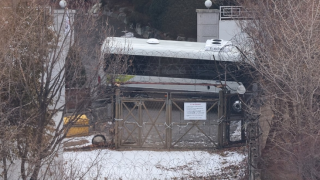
(177, 65)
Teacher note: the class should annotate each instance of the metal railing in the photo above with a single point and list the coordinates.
(232, 12)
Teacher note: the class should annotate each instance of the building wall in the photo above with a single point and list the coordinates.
(228, 29)
(207, 24)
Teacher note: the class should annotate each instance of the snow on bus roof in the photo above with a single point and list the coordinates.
(166, 48)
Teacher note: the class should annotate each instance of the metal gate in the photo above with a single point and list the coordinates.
(157, 120)
(193, 133)
(142, 122)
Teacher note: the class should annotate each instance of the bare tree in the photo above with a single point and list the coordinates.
(282, 45)
(33, 51)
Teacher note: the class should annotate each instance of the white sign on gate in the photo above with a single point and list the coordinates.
(195, 111)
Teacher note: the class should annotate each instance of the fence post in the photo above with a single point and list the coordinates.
(168, 122)
(117, 117)
(254, 147)
(225, 122)
(221, 112)
(140, 123)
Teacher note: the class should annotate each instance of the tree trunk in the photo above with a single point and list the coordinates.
(38, 145)
(4, 161)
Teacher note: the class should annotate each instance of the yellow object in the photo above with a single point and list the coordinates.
(120, 78)
(82, 120)
(80, 126)
(123, 78)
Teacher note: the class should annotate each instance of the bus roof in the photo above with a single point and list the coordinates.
(166, 48)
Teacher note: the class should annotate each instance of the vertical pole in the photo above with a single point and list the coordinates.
(220, 117)
(117, 117)
(168, 122)
(254, 148)
(226, 122)
(140, 123)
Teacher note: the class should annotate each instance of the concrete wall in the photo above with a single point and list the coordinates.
(228, 29)
(207, 24)
(65, 41)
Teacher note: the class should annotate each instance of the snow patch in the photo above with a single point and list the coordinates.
(111, 164)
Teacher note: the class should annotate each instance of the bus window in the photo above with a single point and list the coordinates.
(182, 68)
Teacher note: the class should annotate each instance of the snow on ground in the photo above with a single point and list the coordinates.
(133, 165)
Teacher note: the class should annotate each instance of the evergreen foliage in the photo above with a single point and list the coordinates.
(141, 6)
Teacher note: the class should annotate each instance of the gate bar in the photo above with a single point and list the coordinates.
(117, 116)
(221, 115)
